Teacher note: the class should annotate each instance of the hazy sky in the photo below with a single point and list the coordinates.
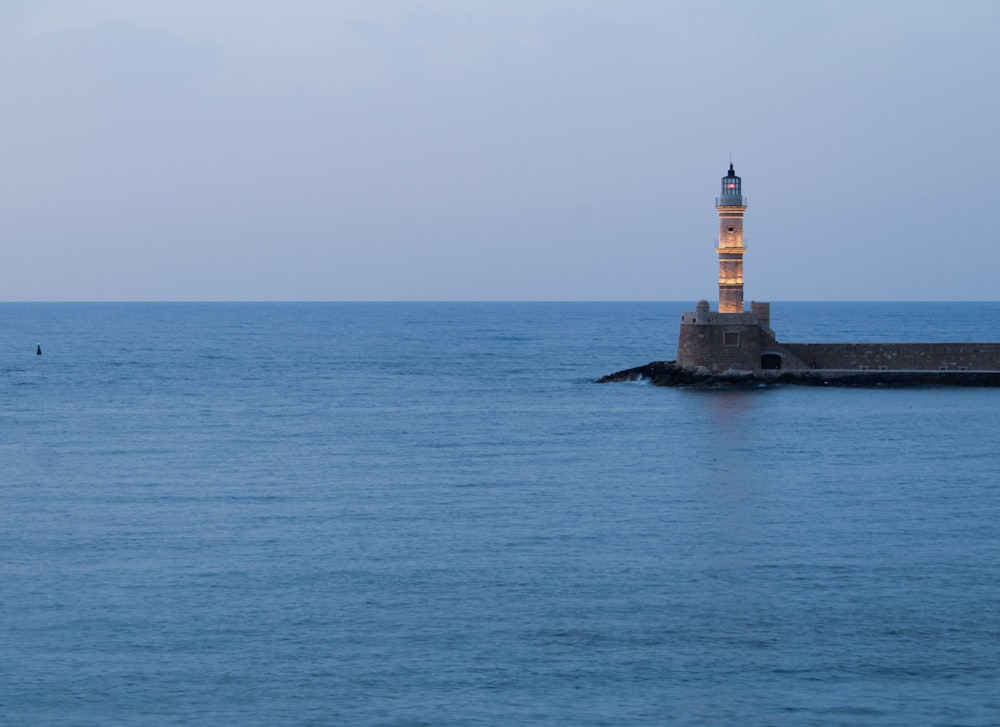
(496, 149)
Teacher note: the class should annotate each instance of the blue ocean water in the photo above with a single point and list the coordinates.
(429, 514)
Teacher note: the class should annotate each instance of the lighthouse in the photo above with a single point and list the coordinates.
(740, 345)
(731, 337)
(731, 206)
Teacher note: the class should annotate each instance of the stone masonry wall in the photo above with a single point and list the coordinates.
(719, 347)
(894, 356)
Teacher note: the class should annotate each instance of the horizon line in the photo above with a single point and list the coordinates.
(492, 301)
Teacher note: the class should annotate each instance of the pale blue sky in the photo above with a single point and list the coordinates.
(488, 150)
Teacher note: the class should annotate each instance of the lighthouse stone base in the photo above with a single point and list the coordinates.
(727, 341)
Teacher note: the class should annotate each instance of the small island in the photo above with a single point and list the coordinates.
(732, 346)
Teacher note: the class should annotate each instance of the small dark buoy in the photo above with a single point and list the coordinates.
(38, 350)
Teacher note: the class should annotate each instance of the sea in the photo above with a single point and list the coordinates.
(430, 514)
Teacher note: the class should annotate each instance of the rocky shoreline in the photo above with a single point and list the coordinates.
(669, 373)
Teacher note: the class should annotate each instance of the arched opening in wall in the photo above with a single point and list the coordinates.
(770, 361)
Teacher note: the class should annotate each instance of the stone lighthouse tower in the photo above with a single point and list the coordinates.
(730, 338)
(731, 206)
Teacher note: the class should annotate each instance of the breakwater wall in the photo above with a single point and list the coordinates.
(894, 356)
(670, 373)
